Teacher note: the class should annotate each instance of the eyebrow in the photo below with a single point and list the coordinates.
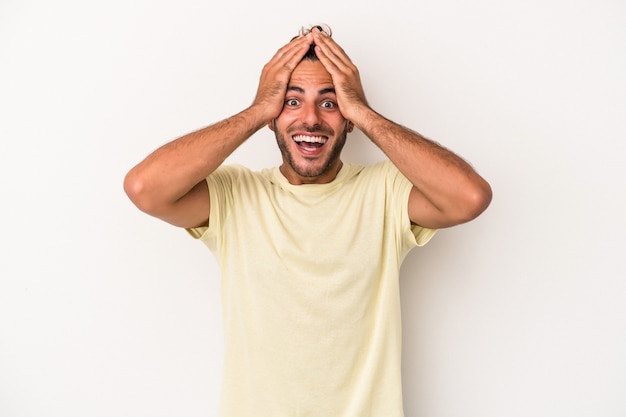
(301, 90)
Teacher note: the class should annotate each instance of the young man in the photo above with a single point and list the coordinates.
(310, 251)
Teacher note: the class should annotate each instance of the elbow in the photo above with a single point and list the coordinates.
(477, 200)
(135, 189)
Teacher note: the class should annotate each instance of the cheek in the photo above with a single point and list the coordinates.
(337, 122)
(283, 122)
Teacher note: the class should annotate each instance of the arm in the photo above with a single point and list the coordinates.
(446, 190)
(170, 183)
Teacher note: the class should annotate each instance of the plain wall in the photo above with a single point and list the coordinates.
(105, 311)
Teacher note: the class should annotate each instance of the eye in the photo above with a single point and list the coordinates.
(291, 102)
(329, 104)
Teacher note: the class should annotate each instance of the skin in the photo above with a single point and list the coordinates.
(310, 110)
(295, 98)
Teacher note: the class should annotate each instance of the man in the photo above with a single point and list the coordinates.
(310, 251)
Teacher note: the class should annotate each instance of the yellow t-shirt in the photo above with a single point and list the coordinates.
(310, 290)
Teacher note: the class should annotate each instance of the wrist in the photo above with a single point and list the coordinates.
(263, 112)
(361, 116)
(257, 115)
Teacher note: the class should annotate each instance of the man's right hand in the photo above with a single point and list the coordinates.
(275, 76)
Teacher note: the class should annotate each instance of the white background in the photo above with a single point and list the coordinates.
(105, 311)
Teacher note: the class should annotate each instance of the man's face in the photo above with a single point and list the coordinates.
(310, 130)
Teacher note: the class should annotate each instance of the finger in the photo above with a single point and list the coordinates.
(335, 64)
(331, 49)
(278, 70)
(293, 51)
(328, 61)
(344, 73)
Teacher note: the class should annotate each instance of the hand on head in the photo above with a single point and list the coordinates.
(345, 75)
(277, 72)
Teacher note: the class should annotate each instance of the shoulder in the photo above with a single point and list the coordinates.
(383, 172)
(232, 174)
(233, 171)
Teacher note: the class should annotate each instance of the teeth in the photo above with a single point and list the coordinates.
(310, 139)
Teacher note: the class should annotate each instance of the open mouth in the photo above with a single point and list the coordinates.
(309, 143)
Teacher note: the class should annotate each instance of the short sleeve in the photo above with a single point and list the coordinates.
(401, 190)
(220, 184)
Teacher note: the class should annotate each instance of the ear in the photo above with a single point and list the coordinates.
(350, 126)
(272, 125)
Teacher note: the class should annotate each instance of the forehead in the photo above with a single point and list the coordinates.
(310, 75)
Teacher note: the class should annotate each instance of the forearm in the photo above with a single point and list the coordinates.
(172, 170)
(448, 182)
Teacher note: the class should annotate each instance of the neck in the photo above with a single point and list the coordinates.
(324, 178)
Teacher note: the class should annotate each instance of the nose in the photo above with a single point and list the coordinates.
(310, 114)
